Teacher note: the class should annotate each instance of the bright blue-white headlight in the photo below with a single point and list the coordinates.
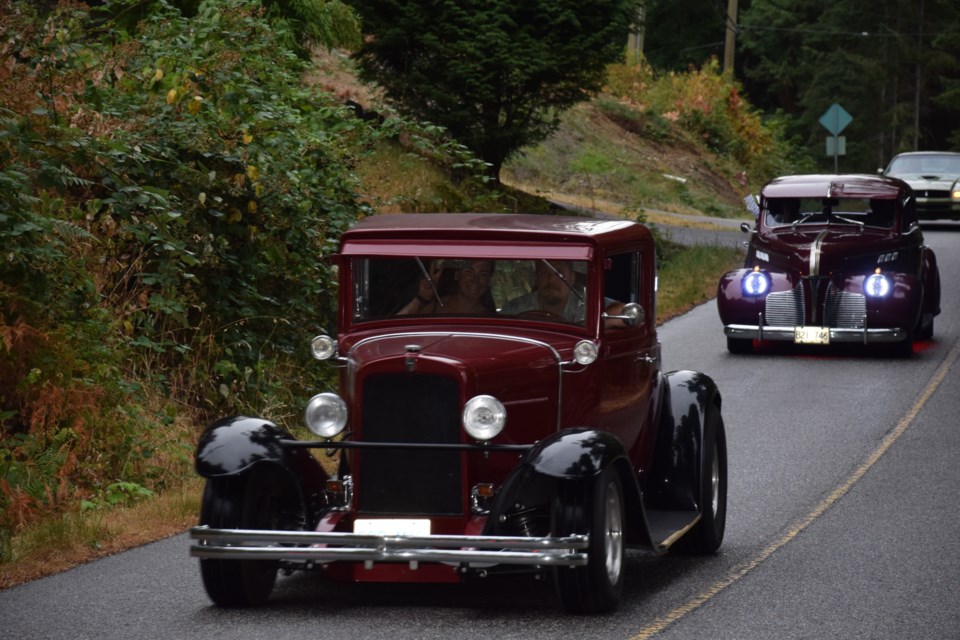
(755, 283)
(877, 285)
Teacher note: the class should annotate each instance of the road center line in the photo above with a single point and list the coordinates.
(744, 568)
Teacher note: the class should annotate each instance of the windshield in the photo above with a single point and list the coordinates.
(925, 165)
(779, 212)
(553, 290)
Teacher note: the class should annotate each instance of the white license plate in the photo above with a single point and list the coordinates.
(811, 335)
(392, 526)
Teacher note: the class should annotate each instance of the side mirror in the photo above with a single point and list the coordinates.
(745, 227)
(632, 315)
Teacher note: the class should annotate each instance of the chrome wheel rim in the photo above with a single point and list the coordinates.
(613, 533)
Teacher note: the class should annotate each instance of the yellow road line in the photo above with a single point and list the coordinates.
(744, 568)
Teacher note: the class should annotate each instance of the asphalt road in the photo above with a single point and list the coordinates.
(842, 523)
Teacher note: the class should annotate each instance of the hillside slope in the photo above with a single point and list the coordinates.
(606, 156)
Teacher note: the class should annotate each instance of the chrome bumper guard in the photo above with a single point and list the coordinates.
(865, 336)
(314, 547)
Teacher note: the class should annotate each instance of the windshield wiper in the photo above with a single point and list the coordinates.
(433, 286)
(562, 279)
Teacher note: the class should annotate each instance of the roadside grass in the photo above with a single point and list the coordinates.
(68, 540)
(690, 277)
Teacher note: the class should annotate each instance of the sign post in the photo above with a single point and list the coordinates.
(835, 119)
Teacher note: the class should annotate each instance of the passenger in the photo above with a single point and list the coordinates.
(463, 290)
(782, 211)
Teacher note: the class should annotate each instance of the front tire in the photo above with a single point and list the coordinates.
(739, 345)
(253, 500)
(597, 587)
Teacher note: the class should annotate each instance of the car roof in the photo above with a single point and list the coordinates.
(835, 186)
(927, 153)
(499, 227)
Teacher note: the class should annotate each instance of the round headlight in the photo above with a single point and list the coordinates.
(326, 414)
(755, 283)
(484, 417)
(876, 285)
(585, 352)
(323, 347)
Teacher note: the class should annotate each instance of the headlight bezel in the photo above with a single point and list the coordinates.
(877, 285)
(323, 347)
(755, 284)
(483, 417)
(326, 414)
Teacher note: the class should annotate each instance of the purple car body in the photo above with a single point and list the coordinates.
(833, 258)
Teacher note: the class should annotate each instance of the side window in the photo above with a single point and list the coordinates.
(621, 280)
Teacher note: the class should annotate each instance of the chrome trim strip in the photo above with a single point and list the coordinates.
(815, 251)
(865, 335)
(246, 544)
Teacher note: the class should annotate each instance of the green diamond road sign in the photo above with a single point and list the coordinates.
(835, 119)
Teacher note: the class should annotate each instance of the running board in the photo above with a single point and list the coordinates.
(666, 527)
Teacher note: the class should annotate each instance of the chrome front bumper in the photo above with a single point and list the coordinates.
(787, 334)
(314, 547)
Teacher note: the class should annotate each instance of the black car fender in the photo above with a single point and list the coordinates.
(234, 445)
(674, 481)
(574, 457)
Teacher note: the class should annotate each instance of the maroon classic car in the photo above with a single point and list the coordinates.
(501, 409)
(833, 258)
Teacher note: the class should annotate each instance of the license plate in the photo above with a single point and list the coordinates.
(392, 526)
(811, 335)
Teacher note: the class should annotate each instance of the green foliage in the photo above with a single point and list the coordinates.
(709, 105)
(495, 74)
(893, 68)
(171, 193)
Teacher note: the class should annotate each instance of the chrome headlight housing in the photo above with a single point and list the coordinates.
(585, 352)
(484, 417)
(755, 283)
(877, 285)
(323, 347)
(326, 414)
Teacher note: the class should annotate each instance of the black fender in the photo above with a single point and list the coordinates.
(574, 457)
(674, 482)
(232, 446)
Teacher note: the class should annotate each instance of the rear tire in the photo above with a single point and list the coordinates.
(597, 587)
(707, 535)
(252, 500)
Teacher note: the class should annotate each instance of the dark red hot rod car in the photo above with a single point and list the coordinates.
(501, 409)
(833, 258)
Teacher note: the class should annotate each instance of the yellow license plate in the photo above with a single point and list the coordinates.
(811, 335)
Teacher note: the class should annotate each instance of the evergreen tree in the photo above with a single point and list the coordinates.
(495, 73)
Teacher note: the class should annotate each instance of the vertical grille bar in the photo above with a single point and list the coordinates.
(843, 309)
(410, 407)
(786, 308)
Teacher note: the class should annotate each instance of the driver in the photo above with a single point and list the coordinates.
(554, 293)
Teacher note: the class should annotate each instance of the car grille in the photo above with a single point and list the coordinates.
(843, 309)
(417, 408)
(785, 308)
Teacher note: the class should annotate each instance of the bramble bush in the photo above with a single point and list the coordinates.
(709, 104)
(171, 193)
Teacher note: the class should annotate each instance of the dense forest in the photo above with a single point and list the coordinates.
(173, 185)
(894, 65)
